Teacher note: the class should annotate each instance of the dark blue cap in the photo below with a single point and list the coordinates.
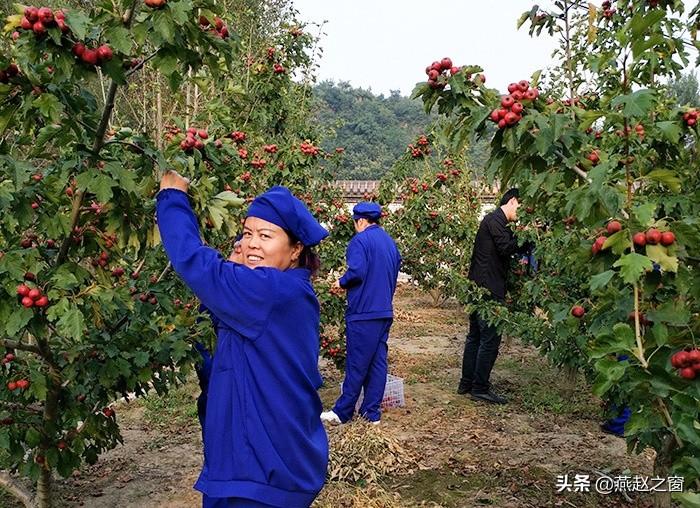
(367, 210)
(279, 206)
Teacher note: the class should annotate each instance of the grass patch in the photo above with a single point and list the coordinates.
(175, 409)
(540, 389)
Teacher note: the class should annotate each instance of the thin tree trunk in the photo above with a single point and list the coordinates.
(662, 468)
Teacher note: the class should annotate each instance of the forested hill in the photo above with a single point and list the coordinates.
(373, 129)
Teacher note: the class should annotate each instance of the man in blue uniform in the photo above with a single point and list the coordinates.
(264, 444)
(373, 267)
(494, 245)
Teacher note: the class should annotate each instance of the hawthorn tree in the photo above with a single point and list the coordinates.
(90, 310)
(609, 166)
(434, 226)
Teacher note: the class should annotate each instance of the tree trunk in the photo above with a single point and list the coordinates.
(570, 377)
(43, 488)
(662, 468)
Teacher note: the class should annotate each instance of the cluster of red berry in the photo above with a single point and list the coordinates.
(687, 363)
(307, 148)
(92, 56)
(421, 147)
(440, 69)
(690, 117)
(39, 19)
(191, 142)
(218, 29)
(31, 297)
(511, 110)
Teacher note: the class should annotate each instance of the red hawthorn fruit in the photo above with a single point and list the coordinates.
(108, 412)
(512, 87)
(42, 301)
(12, 386)
(523, 85)
(22, 384)
(39, 28)
(433, 75)
(687, 373)
(667, 238)
(531, 94)
(653, 236)
(34, 294)
(90, 56)
(23, 290)
(517, 108)
(61, 445)
(495, 115)
(639, 239)
(507, 101)
(511, 118)
(104, 53)
(31, 13)
(454, 70)
(613, 227)
(578, 311)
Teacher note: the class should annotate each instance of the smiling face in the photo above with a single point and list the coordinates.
(266, 244)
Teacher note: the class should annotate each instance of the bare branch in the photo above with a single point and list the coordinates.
(14, 487)
(34, 408)
(21, 346)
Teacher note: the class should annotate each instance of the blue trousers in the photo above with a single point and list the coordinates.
(231, 502)
(366, 368)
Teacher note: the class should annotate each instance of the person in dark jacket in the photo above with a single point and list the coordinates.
(494, 245)
(370, 280)
(264, 443)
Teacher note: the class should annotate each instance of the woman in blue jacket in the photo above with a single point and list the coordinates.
(264, 444)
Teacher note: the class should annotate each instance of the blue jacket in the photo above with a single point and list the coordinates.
(263, 438)
(373, 267)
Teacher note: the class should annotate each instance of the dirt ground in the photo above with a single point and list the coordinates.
(466, 453)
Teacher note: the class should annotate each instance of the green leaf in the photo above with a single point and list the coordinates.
(164, 25)
(32, 437)
(632, 266)
(64, 278)
(166, 63)
(666, 177)
(645, 213)
(687, 499)
(49, 106)
(671, 130)
(181, 11)
(660, 333)
(687, 431)
(97, 183)
(38, 385)
(18, 320)
(641, 23)
(120, 39)
(659, 254)
(72, 323)
(672, 313)
(636, 104)
(140, 358)
(78, 22)
(610, 371)
(228, 198)
(601, 280)
(46, 133)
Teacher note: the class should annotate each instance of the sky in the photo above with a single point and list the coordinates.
(385, 45)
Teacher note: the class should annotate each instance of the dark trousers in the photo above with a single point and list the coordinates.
(480, 352)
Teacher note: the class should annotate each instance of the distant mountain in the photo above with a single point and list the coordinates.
(373, 129)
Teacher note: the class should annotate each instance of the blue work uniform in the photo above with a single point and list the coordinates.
(263, 440)
(373, 268)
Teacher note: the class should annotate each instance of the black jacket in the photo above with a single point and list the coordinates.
(494, 244)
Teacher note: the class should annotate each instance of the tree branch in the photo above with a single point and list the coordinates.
(20, 407)
(14, 487)
(21, 346)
